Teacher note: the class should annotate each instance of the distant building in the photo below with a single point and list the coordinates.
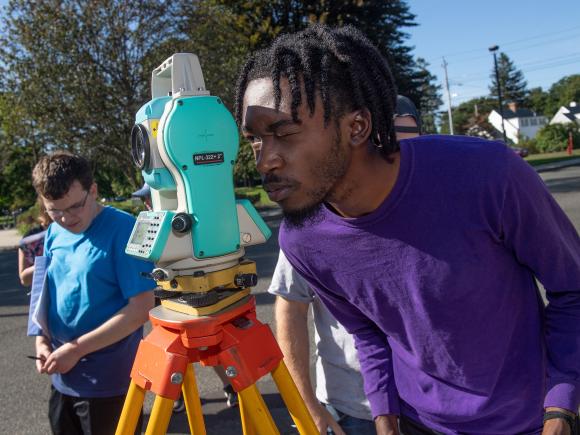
(567, 114)
(519, 123)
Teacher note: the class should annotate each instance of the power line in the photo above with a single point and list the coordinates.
(538, 64)
(515, 50)
(502, 44)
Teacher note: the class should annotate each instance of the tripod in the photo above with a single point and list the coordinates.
(233, 338)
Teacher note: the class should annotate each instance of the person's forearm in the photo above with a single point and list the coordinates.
(26, 276)
(25, 269)
(292, 335)
(123, 323)
(387, 425)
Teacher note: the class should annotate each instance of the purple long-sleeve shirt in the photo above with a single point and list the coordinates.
(437, 286)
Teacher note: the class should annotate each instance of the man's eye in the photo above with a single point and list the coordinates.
(286, 133)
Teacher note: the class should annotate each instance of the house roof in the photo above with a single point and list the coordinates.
(519, 113)
(573, 109)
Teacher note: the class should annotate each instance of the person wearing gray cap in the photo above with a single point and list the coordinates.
(407, 119)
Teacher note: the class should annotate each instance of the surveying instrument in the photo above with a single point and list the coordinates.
(185, 142)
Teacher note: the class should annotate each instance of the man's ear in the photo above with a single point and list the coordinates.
(360, 127)
(94, 190)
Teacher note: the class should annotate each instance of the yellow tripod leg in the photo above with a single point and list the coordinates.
(131, 410)
(293, 400)
(254, 412)
(247, 428)
(160, 416)
(192, 402)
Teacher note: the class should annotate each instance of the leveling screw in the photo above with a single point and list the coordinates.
(176, 378)
(231, 372)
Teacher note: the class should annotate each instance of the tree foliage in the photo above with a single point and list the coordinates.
(511, 79)
(554, 137)
(562, 93)
(383, 22)
(429, 97)
(468, 114)
(74, 73)
(77, 69)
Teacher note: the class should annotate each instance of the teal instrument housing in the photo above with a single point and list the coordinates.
(152, 110)
(150, 234)
(201, 139)
(156, 178)
(255, 216)
(159, 179)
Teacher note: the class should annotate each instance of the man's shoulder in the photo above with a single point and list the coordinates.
(116, 215)
(442, 143)
(459, 157)
(117, 221)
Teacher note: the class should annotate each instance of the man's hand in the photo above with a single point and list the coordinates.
(387, 425)
(324, 420)
(557, 426)
(43, 351)
(62, 359)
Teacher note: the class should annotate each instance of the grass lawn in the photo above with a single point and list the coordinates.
(541, 159)
(263, 202)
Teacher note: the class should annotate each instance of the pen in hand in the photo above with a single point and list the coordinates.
(39, 358)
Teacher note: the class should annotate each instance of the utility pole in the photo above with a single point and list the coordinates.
(493, 49)
(444, 65)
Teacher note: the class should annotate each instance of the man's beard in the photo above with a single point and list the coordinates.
(332, 170)
(297, 219)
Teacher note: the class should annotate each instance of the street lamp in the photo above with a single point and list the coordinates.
(493, 49)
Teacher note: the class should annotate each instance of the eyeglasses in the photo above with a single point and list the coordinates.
(72, 210)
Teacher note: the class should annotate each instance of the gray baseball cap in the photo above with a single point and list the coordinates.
(143, 192)
(405, 107)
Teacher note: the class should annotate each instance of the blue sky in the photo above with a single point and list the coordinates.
(541, 37)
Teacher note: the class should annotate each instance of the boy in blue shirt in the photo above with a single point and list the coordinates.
(98, 299)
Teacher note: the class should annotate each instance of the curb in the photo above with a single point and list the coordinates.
(269, 214)
(558, 165)
(8, 248)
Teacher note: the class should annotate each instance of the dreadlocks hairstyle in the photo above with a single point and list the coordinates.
(341, 64)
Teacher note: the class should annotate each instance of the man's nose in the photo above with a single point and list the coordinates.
(268, 158)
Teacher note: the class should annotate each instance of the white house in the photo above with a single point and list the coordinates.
(519, 123)
(567, 114)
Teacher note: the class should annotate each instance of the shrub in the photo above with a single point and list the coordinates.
(253, 197)
(554, 137)
(530, 144)
(28, 219)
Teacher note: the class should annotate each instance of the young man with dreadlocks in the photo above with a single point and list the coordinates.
(425, 249)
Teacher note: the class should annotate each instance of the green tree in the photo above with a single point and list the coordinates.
(468, 114)
(20, 148)
(562, 93)
(537, 100)
(78, 70)
(554, 137)
(383, 23)
(429, 97)
(511, 79)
